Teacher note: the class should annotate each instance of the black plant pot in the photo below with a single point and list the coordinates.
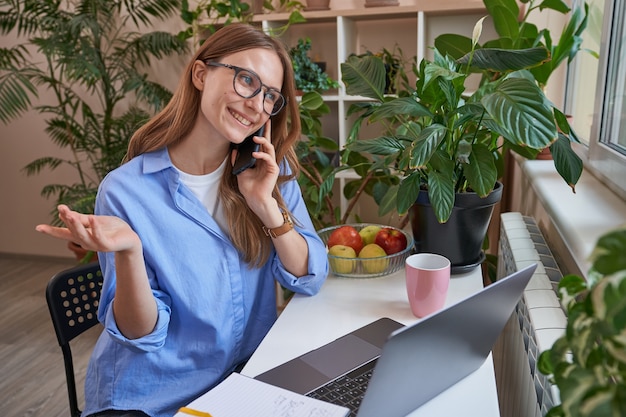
(460, 239)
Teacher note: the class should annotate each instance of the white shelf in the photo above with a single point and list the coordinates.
(337, 33)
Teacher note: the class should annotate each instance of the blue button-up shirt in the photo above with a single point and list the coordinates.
(213, 308)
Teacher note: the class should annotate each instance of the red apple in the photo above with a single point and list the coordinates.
(346, 235)
(391, 240)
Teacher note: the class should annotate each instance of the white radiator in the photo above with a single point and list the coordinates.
(537, 322)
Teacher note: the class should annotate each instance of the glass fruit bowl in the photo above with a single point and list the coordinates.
(370, 267)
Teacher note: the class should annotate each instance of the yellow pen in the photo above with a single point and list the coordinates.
(193, 412)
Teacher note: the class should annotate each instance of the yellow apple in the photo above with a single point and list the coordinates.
(374, 265)
(342, 259)
(368, 233)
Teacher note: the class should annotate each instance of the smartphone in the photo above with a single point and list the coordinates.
(244, 158)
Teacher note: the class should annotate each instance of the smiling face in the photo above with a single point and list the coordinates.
(222, 110)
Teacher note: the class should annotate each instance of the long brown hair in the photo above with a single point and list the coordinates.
(176, 120)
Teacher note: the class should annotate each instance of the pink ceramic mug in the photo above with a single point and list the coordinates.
(427, 281)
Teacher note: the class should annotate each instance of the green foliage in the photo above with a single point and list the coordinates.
(395, 62)
(308, 75)
(210, 15)
(319, 161)
(316, 154)
(91, 58)
(516, 33)
(441, 137)
(588, 363)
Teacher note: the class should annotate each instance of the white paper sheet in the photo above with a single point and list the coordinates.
(241, 396)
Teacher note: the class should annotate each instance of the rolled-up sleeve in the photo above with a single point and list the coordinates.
(148, 343)
(311, 283)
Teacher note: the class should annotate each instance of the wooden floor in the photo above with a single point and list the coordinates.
(32, 377)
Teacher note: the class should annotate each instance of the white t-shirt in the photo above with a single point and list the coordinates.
(206, 188)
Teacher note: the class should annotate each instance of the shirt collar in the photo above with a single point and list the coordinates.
(155, 161)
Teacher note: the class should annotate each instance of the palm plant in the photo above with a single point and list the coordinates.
(92, 63)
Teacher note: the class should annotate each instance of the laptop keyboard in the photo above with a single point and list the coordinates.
(347, 390)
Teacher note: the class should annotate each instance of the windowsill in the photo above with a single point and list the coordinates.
(580, 218)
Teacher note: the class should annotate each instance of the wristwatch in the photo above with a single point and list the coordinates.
(280, 230)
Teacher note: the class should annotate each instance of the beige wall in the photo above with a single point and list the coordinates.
(23, 141)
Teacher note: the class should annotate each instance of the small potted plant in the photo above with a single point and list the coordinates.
(394, 62)
(588, 363)
(446, 144)
(309, 75)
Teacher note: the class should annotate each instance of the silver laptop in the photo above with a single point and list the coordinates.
(445, 346)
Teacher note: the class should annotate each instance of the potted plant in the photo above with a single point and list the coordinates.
(516, 32)
(91, 59)
(394, 62)
(309, 76)
(446, 144)
(588, 362)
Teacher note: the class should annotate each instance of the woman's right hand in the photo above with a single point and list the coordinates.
(94, 233)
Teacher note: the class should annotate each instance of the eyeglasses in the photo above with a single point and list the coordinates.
(248, 84)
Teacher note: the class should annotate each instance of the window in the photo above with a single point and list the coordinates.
(607, 138)
(582, 73)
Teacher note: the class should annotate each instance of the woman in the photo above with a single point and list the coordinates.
(190, 252)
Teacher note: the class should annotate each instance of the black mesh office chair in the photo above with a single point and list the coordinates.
(73, 297)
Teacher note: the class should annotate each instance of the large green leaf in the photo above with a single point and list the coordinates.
(404, 106)
(383, 145)
(441, 194)
(311, 100)
(481, 172)
(505, 14)
(568, 164)
(608, 256)
(364, 77)
(442, 69)
(454, 45)
(407, 192)
(506, 60)
(570, 41)
(426, 144)
(558, 5)
(517, 108)
(389, 201)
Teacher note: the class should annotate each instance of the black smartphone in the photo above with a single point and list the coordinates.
(244, 158)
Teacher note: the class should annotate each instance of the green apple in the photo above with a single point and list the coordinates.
(368, 233)
(373, 266)
(343, 259)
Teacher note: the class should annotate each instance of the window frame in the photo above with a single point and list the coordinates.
(603, 160)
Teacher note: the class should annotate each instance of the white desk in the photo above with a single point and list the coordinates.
(344, 305)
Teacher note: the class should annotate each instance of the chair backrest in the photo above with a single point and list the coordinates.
(72, 296)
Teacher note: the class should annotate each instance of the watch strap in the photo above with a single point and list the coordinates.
(280, 230)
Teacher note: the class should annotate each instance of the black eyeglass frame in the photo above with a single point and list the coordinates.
(237, 70)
